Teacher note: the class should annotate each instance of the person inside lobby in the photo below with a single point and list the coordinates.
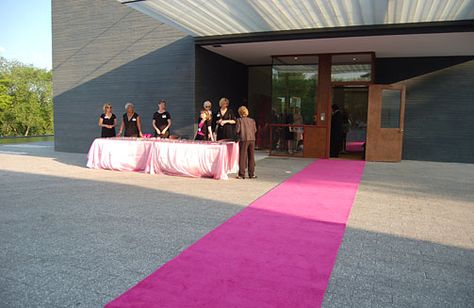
(161, 121)
(131, 124)
(337, 123)
(298, 131)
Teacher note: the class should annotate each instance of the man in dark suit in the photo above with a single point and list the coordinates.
(337, 131)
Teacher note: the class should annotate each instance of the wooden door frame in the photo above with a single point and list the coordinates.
(374, 129)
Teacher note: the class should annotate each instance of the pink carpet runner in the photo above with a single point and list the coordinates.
(278, 252)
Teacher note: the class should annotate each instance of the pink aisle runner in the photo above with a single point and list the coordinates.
(278, 252)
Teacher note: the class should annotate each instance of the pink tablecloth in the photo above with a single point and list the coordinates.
(173, 157)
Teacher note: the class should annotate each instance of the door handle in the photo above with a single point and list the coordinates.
(401, 130)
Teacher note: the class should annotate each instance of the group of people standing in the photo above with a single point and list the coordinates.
(229, 127)
(226, 127)
(131, 125)
(224, 122)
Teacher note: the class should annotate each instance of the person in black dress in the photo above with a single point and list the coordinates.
(289, 134)
(162, 121)
(225, 120)
(131, 122)
(204, 131)
(108, 122)
(337, 122)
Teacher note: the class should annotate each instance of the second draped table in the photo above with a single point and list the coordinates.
(164, 156)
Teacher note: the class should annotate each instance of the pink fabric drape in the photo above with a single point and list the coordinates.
(158, 156)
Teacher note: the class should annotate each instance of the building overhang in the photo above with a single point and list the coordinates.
(252, 31)
(201, 18)
(384, 46)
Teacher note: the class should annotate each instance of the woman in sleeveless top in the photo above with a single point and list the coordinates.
(107, 122)
(131, 122)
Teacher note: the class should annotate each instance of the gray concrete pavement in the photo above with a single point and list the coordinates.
(71, 236)
(410, 239)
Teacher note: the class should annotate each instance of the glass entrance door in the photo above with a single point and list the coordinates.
(294, 83)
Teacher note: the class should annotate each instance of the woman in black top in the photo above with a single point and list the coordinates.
(161, 121)
(225, 121)
(107, 121)
(131, 122)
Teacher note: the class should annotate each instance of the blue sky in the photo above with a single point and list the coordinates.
(25, 33)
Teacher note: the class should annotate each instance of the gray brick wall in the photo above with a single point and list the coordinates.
(106, 52)
(439, 116)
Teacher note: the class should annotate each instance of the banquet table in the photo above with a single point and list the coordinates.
(164, 156)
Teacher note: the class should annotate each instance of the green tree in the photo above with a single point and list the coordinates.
(26, 105)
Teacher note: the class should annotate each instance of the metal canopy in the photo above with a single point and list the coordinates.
(223, 17)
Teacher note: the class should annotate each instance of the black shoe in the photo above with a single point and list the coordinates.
(239, 177)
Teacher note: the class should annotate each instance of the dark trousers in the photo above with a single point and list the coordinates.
(247, 157)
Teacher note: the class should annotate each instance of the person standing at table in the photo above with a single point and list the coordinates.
(107, 121)
(162, 121)
(225, 120)
(246, 130)
(131, 122)
(207, 106)
(204, 131)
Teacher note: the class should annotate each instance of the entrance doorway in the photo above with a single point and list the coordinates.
(349, 138)
(291, 100)
(294, 90)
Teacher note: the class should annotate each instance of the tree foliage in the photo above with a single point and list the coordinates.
(26, 103)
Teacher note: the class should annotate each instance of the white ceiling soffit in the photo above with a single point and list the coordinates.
(221, 17)
(413, 45)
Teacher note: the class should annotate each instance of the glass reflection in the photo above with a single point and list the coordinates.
(293, 102)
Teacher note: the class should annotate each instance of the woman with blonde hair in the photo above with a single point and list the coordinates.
(107, 121)
(205, 123)
(225, 120)
(207, 106)
(246, 130)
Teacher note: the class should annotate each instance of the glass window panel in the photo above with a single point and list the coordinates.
(295, 60)
(351, 72)
(390, 115)
(353, 58)
(351, 67)
(294, 93)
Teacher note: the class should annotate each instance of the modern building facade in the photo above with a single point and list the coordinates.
(402, 71)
